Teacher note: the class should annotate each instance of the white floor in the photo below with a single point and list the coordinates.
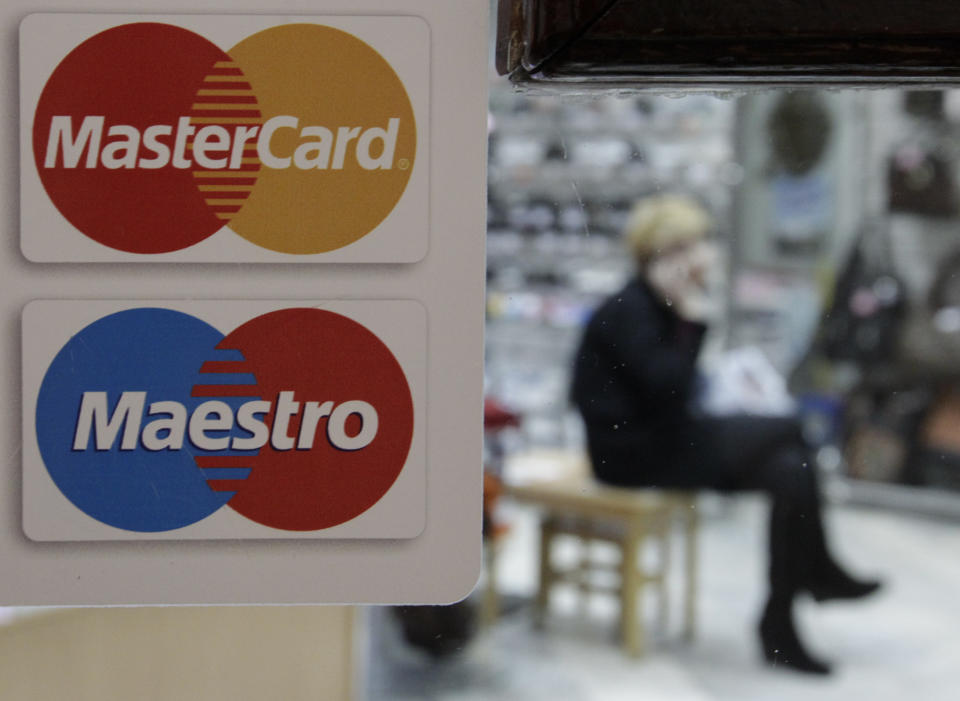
(902, 644)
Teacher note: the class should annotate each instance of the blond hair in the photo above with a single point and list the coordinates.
(659, 222)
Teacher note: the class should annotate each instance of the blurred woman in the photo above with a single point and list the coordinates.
(635, 378)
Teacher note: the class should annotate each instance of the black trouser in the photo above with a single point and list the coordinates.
(736, 453)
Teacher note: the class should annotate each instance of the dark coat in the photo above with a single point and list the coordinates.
(633, 380)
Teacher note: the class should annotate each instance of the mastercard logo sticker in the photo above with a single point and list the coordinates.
(148, 138)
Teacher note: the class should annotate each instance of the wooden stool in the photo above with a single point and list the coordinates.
(579, 506)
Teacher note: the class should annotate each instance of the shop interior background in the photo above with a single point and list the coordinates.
(839, 215)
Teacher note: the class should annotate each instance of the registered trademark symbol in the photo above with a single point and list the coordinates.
(403, 164)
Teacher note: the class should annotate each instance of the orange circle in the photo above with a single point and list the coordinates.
(345, 173)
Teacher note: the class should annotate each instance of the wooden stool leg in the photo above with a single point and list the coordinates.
(584, 568)
(631, 585)
(692, 520)
(663, 598)
(546, 572)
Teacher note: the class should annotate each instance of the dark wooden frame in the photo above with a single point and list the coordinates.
(603, 43)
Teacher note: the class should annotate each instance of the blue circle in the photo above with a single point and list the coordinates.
(156, 351)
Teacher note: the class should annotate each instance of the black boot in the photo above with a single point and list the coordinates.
(780, 643)
(833, 583)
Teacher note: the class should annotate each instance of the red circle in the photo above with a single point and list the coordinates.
(321, 356)
(135, 75)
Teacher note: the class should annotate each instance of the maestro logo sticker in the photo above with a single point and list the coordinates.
(149, 138)
(150, 419)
